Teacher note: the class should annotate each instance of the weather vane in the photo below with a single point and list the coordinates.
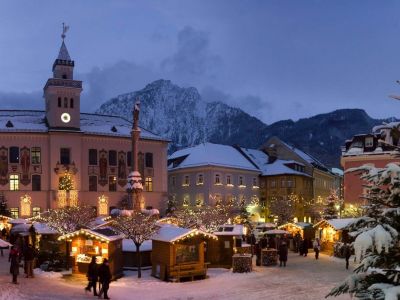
(65, 29)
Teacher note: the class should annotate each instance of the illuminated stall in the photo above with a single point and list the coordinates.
(332, 231)
(5, 223)
(101, 243)
(179, 253)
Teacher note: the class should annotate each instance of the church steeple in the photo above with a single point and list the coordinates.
(62, 92)
(63, 66)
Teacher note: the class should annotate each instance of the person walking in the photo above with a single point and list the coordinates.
(305, 247)
(283, 253)
(104, 278)
(92, 276)
(346, 254)
(14, 258)
(317, 247)
(300, 246)
(29, 258)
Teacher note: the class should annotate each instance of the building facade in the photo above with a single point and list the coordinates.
(375, 149)
(60, 156)
(212, 174)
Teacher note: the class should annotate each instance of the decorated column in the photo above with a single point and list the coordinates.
(135, 186)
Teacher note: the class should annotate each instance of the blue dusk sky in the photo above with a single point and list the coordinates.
(274, 59)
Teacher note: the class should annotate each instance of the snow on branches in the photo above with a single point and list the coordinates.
(377, 244)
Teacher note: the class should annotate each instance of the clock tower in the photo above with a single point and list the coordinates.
(62, 92)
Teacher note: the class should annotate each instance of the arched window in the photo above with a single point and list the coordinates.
(103, 205)
(65, 102)
(26, 202)
(71, 103)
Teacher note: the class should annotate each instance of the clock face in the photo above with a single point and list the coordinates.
(65, 117)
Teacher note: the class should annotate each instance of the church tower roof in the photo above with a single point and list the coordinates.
(63, 54)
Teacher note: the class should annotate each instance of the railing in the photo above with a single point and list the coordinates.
(63, 82)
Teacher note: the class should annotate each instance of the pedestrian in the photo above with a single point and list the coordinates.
(300, 246)
(29, 258)
(305, 247)
(92, 276)
(104, 278)
(283, 253)
(14, 258)
(4, 233)
(317, 247)
(347, 254)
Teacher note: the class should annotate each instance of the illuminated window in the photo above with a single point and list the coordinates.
(14, 182)
(186, 180)
(36, 211)
(200, 199)
(112, 183)
(148, 184)
(35, 155)
(14, 212)
(218, 200)
(103, 205)
(200, 179)
(25, 206)
(186, 200)
(217, 179)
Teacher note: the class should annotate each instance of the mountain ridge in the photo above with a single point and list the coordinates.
(181, 115)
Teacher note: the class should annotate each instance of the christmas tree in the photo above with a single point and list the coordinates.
(66, 183)
(376, 245)
(330, 211)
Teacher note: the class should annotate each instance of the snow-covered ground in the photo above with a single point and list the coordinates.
(303, 279)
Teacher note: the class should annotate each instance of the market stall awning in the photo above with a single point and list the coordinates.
(102, 234)
(337, 224)
(4, 244)
(172, 234)
(299, 225)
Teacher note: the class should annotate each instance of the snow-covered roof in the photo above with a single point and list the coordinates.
(337, 224)
(18, 221)
(230, 229)
(171, 234)
(105, 234)
(300, 225)
(278, 167)
(35, 121)
(337, 171)
(42, 228)
(209, 154)
(129, 246)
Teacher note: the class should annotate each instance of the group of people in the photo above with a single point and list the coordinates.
(99, 274)
(15, 257)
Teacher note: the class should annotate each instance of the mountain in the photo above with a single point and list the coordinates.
(183, 116)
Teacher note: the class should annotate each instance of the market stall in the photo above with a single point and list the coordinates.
(130, 255)
(332, 231)
(5, 224)
(297, 230)
(178, 253)
(101, 243)
(219, 252)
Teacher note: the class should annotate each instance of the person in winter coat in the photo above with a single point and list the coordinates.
(305, 247)
(29, 258)
(347, 254)
(104, 278)
(14, 258)
(317, 247)
(283, 253)
(92, 276)
(300, 246)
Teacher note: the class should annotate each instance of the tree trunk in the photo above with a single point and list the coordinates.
(139, 261)
(66, 255)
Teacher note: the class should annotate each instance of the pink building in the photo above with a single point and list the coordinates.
(60, 156)
(374, 149)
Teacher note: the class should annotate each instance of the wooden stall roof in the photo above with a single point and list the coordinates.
(5, 217)
(42, 228)
(172, 234)
(299, 225)
(230, 230)
(102, 234)
(337, 224)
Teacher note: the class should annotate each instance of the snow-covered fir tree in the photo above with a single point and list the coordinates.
(330, 210)
(377, 247)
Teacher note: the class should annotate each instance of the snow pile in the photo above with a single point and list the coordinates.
(390, 291)
(43, 274)
(377, 238)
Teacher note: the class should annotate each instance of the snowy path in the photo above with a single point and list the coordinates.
(303, 279)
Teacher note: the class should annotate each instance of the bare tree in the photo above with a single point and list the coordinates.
(67, 220)
(283, 209)
(137, 227)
